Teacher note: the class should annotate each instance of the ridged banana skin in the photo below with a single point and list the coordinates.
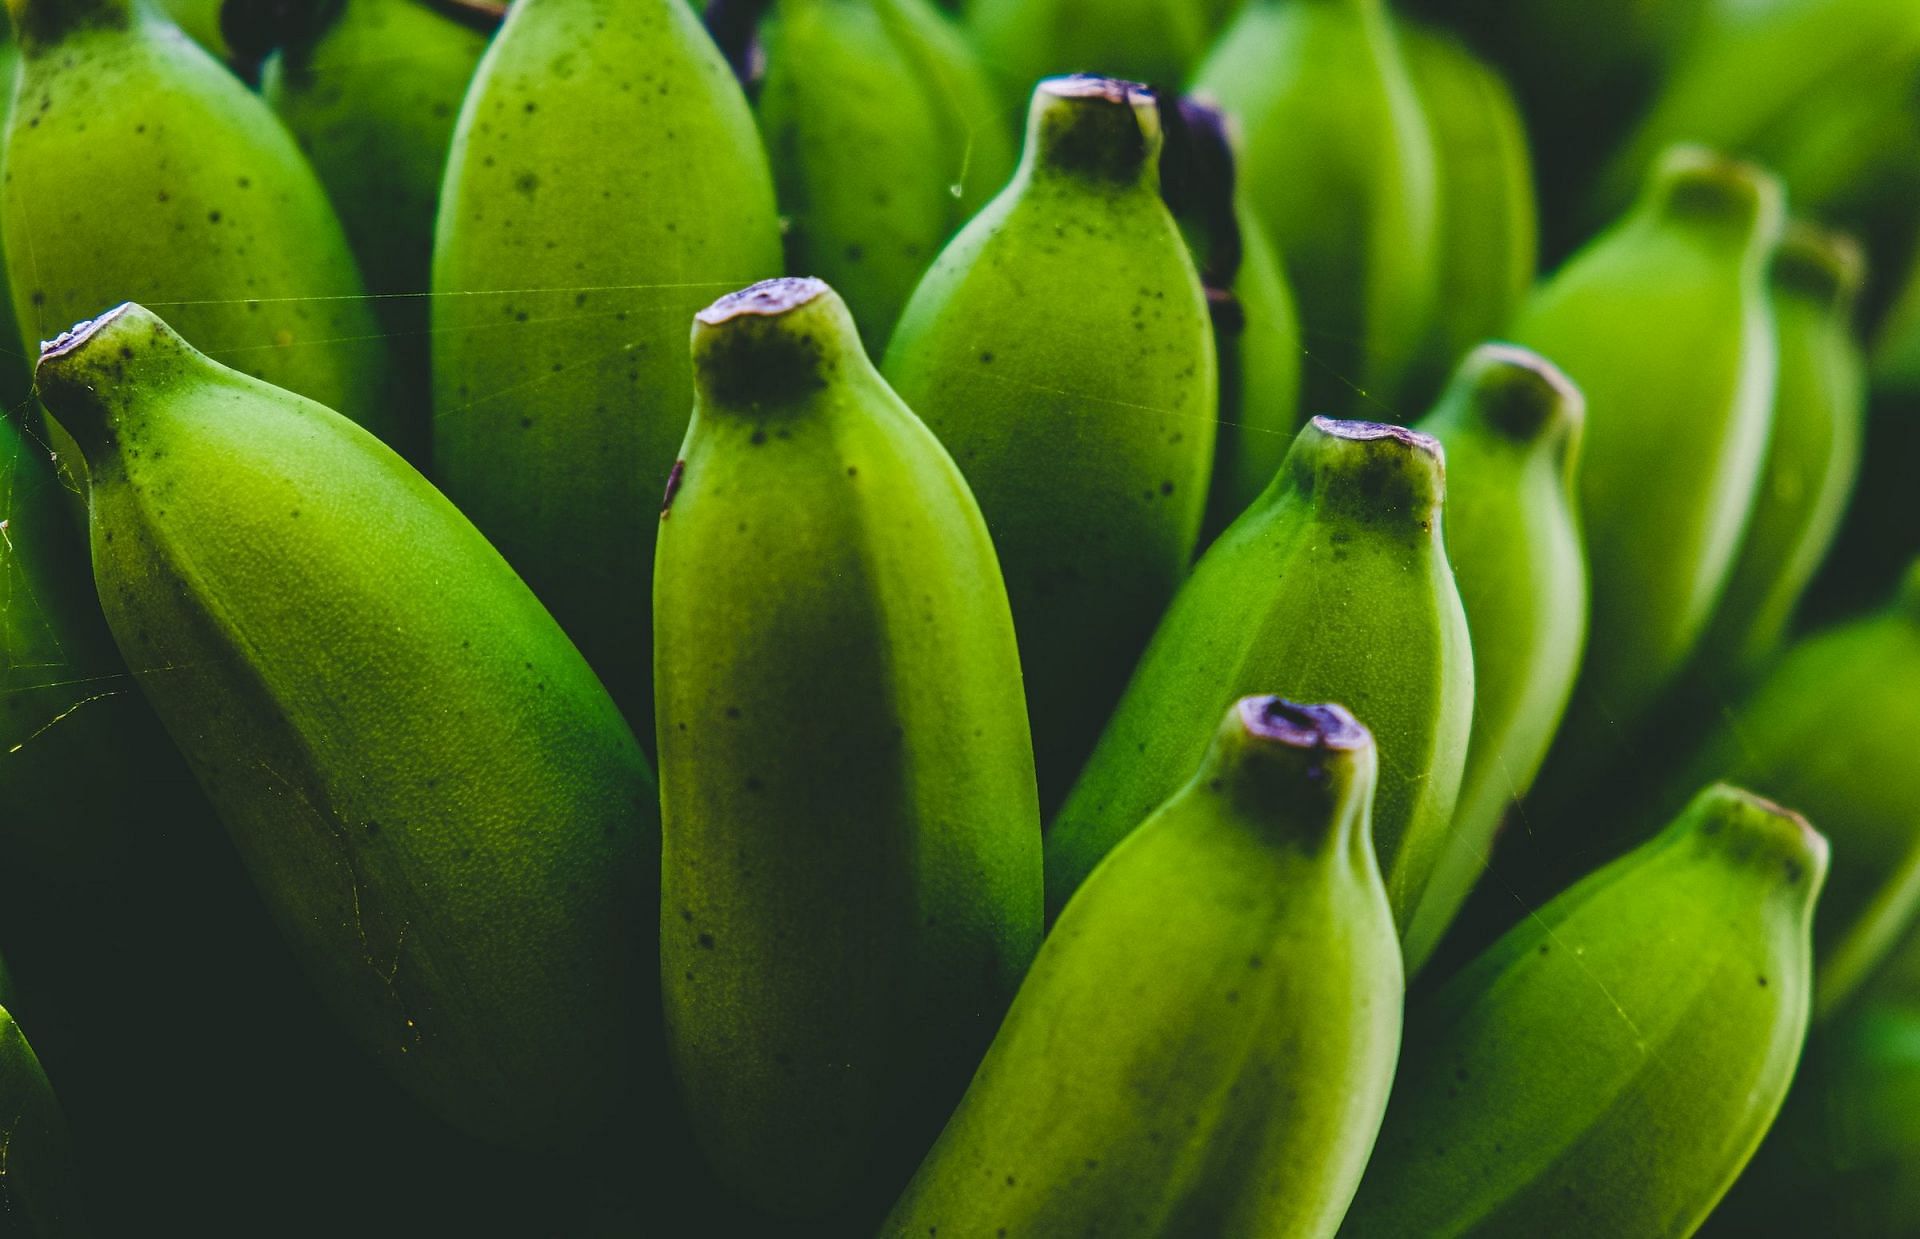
(436, 798)
(561, 301)
(1830, 727)
(1334, 586)
(884, 135)
(1813, 455)
(1679, 416)
(1489, 225)
(1608, 1066)
(1339, 164)
(41, 1196)
(1229, 982)
(1152, 41)
(372, 99)
(1061, 350)
(139, 168)
(852, 884)
(1511, 426)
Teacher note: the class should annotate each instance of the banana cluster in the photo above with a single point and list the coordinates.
(1141, 672)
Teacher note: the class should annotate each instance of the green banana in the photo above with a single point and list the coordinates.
(138, 167)
(40, 1192)
(1830, 727)
(1511, 426)
(437, 799)
(1229, 984)
(1060, 349)
(1339, 165)
(1334, 586)
(1896, 346)
(885, 136)
(1153, 41)
(1489, 232)
(852, 894)
(1664, 323)
(1812, 459)
(1609, 1065)
(561, 387)
(1256, 328)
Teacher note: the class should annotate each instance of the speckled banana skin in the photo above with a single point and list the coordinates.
(41, 1196)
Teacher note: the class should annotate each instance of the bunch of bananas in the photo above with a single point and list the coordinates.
(1159, 682)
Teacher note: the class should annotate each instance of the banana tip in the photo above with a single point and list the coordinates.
(767, 299)
(77, 335)
(1093, 86)
(1317, 727)
(1362, 432)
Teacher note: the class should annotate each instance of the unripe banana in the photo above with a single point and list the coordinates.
(1339, 165)
(1812, 459)
(885, 136)
(138, 167)
(1229, 986)
(851, 892)
(1608, 1066)
(1334, 586)
(1060, 349)
(1489, 233)
(561, 300)
(40, 1192)
(1511, 426)
(1830, 727)
(1664, 323)
(436, 798)
(1152, 41)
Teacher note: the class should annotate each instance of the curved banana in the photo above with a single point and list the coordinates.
(852, 863)
(1205, 1042)
(1060, 349)
(884, 135)
(40, 1192)
(1334, 586)
(1609, 1065)
(1152, 41)
(561, 387)
(145, 170)
(435, 796)
(1340, 166)
(1511, 426)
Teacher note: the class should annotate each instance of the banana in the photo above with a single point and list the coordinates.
(137, 167)
(1060, 349)
(885, 136)
(1334, 586)
(1152, 41)
(436, 798)
(1256, 328)
(1229, 984)
(849, 898)
(371, 89)
(40, 1192)
(1812, 460)
(1340, 167)
(561, 300)
(1511, 426)
(1830, 727)
(1489, 231)
(1609, 1065)
(1664, 323)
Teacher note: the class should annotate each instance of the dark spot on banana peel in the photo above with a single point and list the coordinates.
(673, 488)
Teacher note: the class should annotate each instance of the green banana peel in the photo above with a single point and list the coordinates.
(1229, 984)
(435, 797)
(852, 836)
(1334, 586)
(1152, 41)
(1609, 1065)
(1061, 350)
(41, 1196)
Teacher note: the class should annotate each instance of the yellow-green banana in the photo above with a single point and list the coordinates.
(435, 796)
(852, 865)
(1152, 41)
(1205, 1042)
(1663, 322)
(1812, 459)
(1511, 426)
(40, 1192)
(137, 167)
(1334, 586)
(561, 299)
(1339, 165)
(1060, 349)
(885, 136)
(1608, 1066)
